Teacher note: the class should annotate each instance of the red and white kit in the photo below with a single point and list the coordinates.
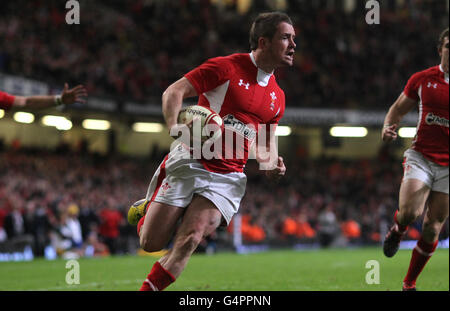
(428, 157)
(6, 100)
(245, 97)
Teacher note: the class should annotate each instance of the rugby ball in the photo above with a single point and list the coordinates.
(207, 121)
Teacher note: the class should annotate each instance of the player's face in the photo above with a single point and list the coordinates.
(282, 45)
(444, 55)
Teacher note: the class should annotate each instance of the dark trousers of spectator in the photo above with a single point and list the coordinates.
(112, 244)
(325, 239)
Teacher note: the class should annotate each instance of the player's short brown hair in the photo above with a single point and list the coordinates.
(442, 36)
(265, 25)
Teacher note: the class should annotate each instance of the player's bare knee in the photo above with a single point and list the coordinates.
(408, 215)
(432, 228)
(143, 242)
(149, 245)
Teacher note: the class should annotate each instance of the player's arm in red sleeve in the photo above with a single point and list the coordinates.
(405, 103)
(6, 100)
(201, 79)
(67, 97)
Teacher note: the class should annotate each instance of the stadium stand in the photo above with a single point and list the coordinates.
(45, 186)
(132, 50)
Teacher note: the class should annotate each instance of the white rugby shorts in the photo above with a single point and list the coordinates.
(179, 177)
(416, 166)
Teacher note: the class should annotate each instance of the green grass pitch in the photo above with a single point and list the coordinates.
(284, 270)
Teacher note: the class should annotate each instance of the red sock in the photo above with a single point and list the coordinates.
(401, 228)
(158, 279)
(139, 225)
(420, 256)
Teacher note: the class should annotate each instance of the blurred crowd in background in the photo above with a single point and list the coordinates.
(71, 201)
(133, 49)
(68, 199)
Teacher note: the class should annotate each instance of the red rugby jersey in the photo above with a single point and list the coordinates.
(430, 89)
(6, 100)
(244, 96)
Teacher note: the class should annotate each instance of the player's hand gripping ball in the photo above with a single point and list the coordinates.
(204, 123)
(137, 211)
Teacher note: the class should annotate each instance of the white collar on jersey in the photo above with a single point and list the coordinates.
(262, 77)
(445, 73)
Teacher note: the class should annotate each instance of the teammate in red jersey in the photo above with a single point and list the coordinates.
(67, 97)
(206, 193)
(425, 181)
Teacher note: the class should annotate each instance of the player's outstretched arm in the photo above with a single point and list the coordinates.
(67, 97)
(396, 112)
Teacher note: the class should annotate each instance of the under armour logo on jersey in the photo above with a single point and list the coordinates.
(241, 83)
(434, 85)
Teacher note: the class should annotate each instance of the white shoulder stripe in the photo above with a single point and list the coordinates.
(216, 96)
